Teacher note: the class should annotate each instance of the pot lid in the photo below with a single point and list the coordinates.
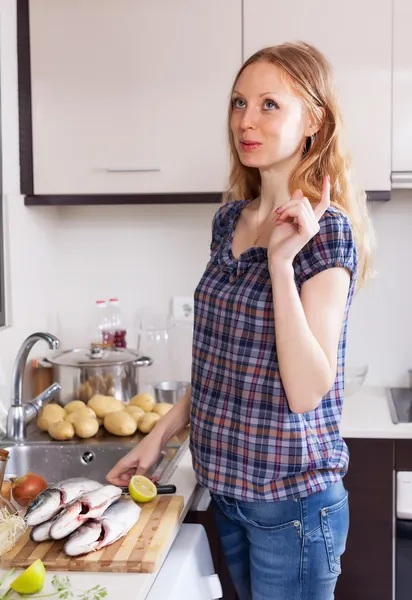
(97, 357)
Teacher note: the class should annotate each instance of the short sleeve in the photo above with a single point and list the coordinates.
(220, 225)
(332, 246)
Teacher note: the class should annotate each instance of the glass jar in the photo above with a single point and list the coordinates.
(4, 503)
(154, 337)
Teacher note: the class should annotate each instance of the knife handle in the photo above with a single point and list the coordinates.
(166, 489)
(161, 489)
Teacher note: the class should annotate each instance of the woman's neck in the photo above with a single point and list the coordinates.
(274, 190)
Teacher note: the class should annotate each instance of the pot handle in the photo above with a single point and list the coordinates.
(143, 361)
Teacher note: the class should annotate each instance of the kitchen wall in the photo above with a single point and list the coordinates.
(30, 235)
(147, 254)
(59, 261)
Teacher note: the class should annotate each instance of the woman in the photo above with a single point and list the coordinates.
(270, 327)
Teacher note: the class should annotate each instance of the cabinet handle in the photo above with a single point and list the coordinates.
(132, 169)
(401, 179)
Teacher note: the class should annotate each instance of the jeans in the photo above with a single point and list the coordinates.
(286, 550)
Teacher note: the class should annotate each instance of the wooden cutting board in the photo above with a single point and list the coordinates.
(139, 552)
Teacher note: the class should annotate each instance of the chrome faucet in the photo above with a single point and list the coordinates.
(19, 414)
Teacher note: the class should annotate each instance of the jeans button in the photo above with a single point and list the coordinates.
(296, 524)
(324, 512)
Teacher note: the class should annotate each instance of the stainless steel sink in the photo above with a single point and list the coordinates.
(400, 404)
(56, 462)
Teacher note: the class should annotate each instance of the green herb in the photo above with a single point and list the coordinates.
(3, 580)
(63, 587)
(95, 593)
(6, 576)
(62, 590)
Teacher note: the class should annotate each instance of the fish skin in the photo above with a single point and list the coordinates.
(67, 521)
(118, 520)
(43, 507)
(41, 533)
(114, 524)
(90, 505)
(76, 486)
(84, 540)
(48, 503)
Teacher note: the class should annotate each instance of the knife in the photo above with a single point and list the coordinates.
(161, 489)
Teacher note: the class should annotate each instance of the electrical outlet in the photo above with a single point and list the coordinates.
(182, 308)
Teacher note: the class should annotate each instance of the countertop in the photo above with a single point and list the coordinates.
(133, 586)
(366, 414)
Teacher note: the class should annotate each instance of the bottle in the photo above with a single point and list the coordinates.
(4, 502)
(102, 336)
(116, 323)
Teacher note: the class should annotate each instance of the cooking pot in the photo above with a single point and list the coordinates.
(109, 371)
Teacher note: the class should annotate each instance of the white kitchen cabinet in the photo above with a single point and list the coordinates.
(402, 95)
(131, 97)
(356, 38)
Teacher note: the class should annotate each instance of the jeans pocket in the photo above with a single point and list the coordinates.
(335, 526)
(265, 517)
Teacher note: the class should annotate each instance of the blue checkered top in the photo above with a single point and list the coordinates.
(246, 443)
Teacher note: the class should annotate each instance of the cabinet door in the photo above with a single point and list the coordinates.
(356, 38)
(131, 97)
(402, 94)
(367, 561)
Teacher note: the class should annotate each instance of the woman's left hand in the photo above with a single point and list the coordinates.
(296, 224)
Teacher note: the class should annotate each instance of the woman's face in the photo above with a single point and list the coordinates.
(268, 119)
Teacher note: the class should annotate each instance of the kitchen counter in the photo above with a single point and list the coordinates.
(133, 586)
(366, 414)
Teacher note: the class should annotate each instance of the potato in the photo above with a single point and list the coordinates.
(83, 413)
(74, 405)
(53, 411)
(120, 423)
(162, 408)
(86, 427)
(61, 430)
(103, 405)
(44, 423)
(85, 391)
(144, 401)
(136, 412)
(148, 421)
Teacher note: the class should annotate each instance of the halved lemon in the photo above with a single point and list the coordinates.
(142, 489)
(31, 580)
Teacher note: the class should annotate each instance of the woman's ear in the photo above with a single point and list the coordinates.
(315, 122)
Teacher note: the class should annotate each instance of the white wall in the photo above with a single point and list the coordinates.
(60, 261)
(380, 327)
(147, 254)
(30, 235)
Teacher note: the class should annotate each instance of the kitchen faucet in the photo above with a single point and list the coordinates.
(19, 414)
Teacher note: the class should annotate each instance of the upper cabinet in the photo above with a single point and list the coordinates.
(402, 95)
(131, 97)
(356, 37)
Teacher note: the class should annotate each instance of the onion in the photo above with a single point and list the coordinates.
(26, 488)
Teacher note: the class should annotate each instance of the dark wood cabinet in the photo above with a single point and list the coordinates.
(367, 562)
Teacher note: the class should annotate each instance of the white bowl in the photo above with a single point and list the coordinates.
(354, 378)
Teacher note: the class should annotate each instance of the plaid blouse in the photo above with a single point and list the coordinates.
(245, 441)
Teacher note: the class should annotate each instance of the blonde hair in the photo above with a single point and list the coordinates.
(325, 152)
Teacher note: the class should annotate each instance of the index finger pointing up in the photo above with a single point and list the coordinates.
(324, 200)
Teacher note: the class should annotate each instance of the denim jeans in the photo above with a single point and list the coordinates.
(286, 550)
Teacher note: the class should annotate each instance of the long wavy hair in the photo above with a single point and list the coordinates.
(324, 153)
